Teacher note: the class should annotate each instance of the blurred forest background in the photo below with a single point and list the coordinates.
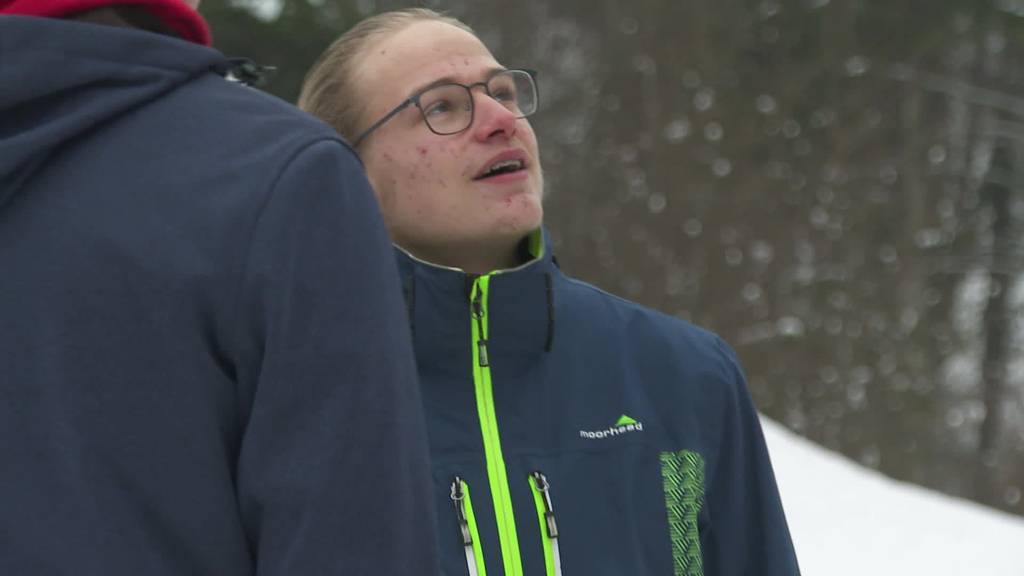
(835, 186)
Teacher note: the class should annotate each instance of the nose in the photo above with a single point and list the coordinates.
(491, 118)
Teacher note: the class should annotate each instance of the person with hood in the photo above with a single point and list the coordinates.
(568, 428)
(204, 362)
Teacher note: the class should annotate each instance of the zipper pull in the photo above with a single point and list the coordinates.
(458, 498)
(482, 352)
(481, 343)
(546, 516)
(549, 509)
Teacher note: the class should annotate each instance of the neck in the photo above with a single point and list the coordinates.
(107, 16)
(474, 259)
(126, 16)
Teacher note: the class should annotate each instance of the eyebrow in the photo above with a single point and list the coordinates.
(452, 80)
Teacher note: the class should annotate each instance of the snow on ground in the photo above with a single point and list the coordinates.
(849, 520)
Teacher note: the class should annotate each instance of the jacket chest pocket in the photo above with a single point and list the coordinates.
(478, 536)
(623, 510)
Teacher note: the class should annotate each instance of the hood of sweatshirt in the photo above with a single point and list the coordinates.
(61, 79)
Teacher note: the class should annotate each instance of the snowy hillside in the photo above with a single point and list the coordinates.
(847, 520)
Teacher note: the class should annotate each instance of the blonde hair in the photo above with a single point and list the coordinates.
(329, 90)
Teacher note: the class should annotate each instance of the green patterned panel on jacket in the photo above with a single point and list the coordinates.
(683, 476)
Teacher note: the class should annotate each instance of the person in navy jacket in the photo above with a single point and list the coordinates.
(571, 431)
(205, 366)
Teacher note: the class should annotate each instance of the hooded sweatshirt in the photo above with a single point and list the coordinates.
(204, 358)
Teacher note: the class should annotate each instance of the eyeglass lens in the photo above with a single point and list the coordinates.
(449, 108)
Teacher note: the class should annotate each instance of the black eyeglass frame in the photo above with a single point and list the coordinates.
(415, 99)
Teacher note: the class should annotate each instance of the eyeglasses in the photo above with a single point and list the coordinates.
(448, 108)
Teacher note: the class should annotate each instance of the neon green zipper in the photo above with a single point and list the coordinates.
(548, 529)
(497, 476)
(467, 527)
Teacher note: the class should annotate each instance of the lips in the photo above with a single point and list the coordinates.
(508, 162)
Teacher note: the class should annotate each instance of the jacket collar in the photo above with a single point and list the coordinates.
(520, 306)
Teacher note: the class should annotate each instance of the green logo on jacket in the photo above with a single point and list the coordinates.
(624, 425)
(625, 421)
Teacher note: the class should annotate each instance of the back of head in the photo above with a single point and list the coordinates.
(178, 16)
(329, 90)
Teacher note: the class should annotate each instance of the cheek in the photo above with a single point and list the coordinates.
(440, 167)
(416, 181)
(380, 173)
(529, 139)
(399, 169)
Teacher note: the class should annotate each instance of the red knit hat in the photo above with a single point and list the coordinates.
(178, 16)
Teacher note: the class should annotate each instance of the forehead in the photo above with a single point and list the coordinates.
(395, 66)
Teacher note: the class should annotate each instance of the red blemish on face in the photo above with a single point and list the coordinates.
(421, 150)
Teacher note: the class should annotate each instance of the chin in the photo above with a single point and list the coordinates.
(533, 222)
(530, 209)
(515, 226)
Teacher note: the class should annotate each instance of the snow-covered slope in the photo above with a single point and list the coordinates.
(848, 520)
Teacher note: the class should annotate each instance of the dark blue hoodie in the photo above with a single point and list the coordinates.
(204, 358)
(573, 432)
